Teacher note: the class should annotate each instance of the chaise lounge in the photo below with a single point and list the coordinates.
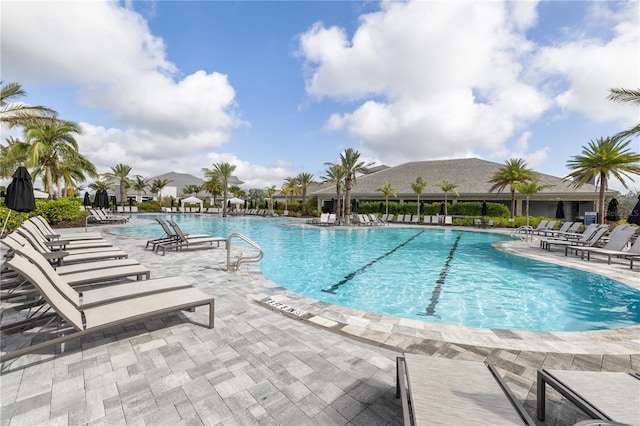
(608, 396)
(438, 390)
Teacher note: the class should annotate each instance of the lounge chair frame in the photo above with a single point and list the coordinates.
(546, 377)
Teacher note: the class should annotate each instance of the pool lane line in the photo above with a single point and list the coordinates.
(435, 295)
(352, 275)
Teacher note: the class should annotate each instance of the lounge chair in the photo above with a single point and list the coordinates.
(61, 244)
(615, 244)
(608, 396)
(448, 220)
(375, 220)
(438, 390)
(551, 232)
(613, 235)
(75, 322)
(568, 236)
(588, 239)
(50, 233)
(169, 235)
(400, 218)
(184, 241)
(87, 276)
(63, 257)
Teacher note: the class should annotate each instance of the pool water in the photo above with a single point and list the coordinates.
(431, 274)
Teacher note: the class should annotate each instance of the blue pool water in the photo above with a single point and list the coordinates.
(436, 275)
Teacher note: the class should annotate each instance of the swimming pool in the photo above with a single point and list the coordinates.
(437, 275)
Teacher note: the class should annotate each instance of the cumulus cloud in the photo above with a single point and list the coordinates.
(432, 79)
(108, 55)
(451, 79)
(590, 65)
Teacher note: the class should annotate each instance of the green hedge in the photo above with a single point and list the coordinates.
(64, 209)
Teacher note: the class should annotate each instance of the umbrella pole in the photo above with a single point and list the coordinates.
(4, 225)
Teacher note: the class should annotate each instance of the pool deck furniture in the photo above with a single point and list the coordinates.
(588, 239)
(436, 390)
(608, 396)
(616, 243)
(633, 252)
(50, 233)
(184, 241)
(74, 322)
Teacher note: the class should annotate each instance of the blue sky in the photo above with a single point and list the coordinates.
(279, 88)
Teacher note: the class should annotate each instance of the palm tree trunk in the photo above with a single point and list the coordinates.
(50, 183)
(347, 202)
(513, 202)
(603, 187)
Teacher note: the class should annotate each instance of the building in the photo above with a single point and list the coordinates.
(472, 175)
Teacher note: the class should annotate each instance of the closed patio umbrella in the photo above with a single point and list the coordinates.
(612, 211)
(442, 209)
(19, 195)
(484, 209)
(87, 200)
(560, 210)
(634, 217)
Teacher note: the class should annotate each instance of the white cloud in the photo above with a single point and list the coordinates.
(109, 55)
(434, 79)
(448, 79)
(591, 65)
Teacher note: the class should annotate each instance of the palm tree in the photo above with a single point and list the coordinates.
(418, 186)
(99, 185)
(387, 190)
(158, 185)
(223, 172)
(213, 187)
(270, 191)
(192, 190)
(600, 159)
(626, 96)
(304, 180)
(51, 149)
(10, 157)
(14, 114)
(235, 190)
(447, 187)
(335, 174)
(529, 188)
(120, 173)
(514, 170)
(139, 185)
(350, 162)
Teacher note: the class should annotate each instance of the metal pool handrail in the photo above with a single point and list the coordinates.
(242, 259)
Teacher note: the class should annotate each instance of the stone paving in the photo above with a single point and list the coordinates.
(321, 365)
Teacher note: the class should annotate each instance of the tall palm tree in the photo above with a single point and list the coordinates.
(601, 159)
(222, 171)
(13, 114)
(139, 185)
(447, 187)
(350, 162)
(514, 170)
(158, 185)
(528, 189)
(270, 191)
(120, 173)
(304, 180)
(630, 97)
(99, 185)
(418, 186)
(48, 148)
(387, 190)
(213, 187)
(10, 157)
(335, 174)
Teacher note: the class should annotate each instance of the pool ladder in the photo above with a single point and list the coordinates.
(242, 259)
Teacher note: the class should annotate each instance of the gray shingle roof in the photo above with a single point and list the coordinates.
(472, 175)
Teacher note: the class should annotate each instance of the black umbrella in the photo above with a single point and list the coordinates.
(173, 202)
(560, 210)
(87, 201)
(634, 217)
(355, 206)
(484, 209)
(442, 209)
(612, 211)
(19, 195)
(421, 207)
(130, 202)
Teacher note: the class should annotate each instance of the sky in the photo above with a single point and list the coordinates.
(278, 88)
